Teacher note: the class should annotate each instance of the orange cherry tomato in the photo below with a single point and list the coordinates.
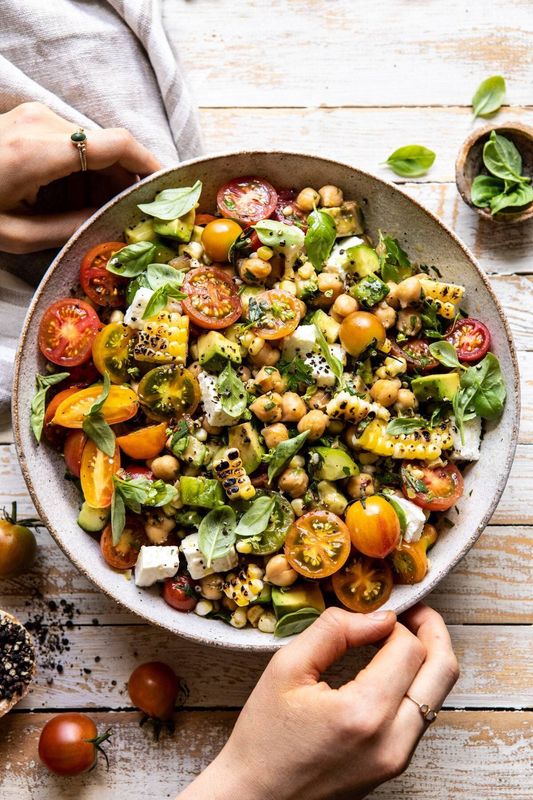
(317, 544)
(67, 331)
(374, 527)
(111, 351)
(145, 443)
(96, 475)
(203, 219)
(124, 555)
(409, 560)
(433, 488)
(359, 330)
(121, 404)
(73, 451)
(102, 287)
(212, 300)
(55, 434)
(363, 584)
(278, 313)
(218, 236)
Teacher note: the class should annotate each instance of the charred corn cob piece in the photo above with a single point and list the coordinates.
(444, 296)
(163, 339)
(246, 586)
(232, 475)
(352, 408)
(426, 443)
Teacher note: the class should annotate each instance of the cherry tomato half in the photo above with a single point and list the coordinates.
(179, 593)
(138, 471)
(374, 526)
(121, 404)
(153, 688)
(67, 332)
(124, 555)
(102, 287)
(145, 443)
(279, 314)
(212, 300)
(409, 560)
(169, 391)
(55, 434)
(69, 744)
(73, 451)
(416, 353)
(96, 475)
(470, 338)
(358, 330)
(434, 488)
(317, 544)
(111, 351)
(287, 211)
(247, 200)
(363, 584)
(218, 236)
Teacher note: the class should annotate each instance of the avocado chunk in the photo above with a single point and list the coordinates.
(369, 291)
(436, 387)
(214, 351)
(246, 439)
(362, 260)
(348, 218)
(294, 598)
(195, 453)
(201, 492)
(92, 519)
(142, 232)
(329, 327)
(180, 228)
(334, 464)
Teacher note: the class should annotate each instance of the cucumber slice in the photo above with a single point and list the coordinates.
(362, 260)
(335, 464)
(92, 519)
(400, 513)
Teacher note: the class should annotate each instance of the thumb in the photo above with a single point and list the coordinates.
(27, 234)
(327, 639)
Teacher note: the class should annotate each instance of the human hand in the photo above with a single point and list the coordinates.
(298, 738)
(36, 153)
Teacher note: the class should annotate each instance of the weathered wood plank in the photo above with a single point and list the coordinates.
(497, 743)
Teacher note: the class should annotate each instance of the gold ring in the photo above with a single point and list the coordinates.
(79, 140)
(429, 714)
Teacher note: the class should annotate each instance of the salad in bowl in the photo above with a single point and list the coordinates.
(266, 409)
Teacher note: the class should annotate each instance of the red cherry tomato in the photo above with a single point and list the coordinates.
(434, 488)
(247, 200)
(287, 211)
(67, 331)
(470, 338)
(83, 375)
(55, 434)
(138, 471)
(73, 450)
(212, 300)
(124, 555)
(179, 593)
(153, 688)
(416, 353)
(69, 744)
(101, 286)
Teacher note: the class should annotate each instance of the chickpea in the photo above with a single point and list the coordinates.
(409, 322)
(315, 422)
(308, 199)
(294, 481)
(385, 314)
(344, 305)
(406, 400)
(165, 467)
(279, 571)
(269, 379)
(211, 587)
(267, 408)
(319, 399)
(330, 196)
(306, 271)
(267, 356)
(288, 286)
(385, 391)
(157, 527)
(361, 485)
(330, 287)
(293, 407)
(244, 373)
(254, 614)
(409, 291)
(274, 434)
(392, 297)
(254, 270)
(267, 622)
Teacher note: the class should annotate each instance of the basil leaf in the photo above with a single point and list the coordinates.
(159, 299)
(158, 275)
(278, 234)
(405, 425)
(484, 189)
(411, 161)
(520, 195)
(137, 492)
(233, 395)
(216, 533)
(97, 429)
(179, 438)
(502, 158)
(132, 259)
(334, 364)
(490, 392)
(461, 408)
(446, 354)
(173, 203)
(320, 237)
(118, 516)
(283, 453)
(296, 622)
(295, 372)
(489, 96)
(140, 282)
(38, 403)
(256, 519)
(394, 261)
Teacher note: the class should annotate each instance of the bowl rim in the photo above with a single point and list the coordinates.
(269, 643)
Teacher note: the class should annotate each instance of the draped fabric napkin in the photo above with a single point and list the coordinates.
(99, 63)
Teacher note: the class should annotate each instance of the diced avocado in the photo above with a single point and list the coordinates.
(436, 387)
(180, 228)
(214, 351)
(348, 218)
(200, 492)
(265, 596)
(248, 292)
(369, 291)
(329, 327)
(335, 464)
(189, 519)
(163, 254)
(234, 334)
(293, 598)
(195, 453)
(142, 232)
(92, 519)
(362, 260)
(197, 234)
(246, 439)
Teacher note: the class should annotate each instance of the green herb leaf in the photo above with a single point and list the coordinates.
(446, 354)
(296, 372)
(233, 395)
(296, 622)
(490, 392)
(255, 520)
(160, 298)
(283, 453)
(173, 203)
(118, 516)
(405, 425)
(411, 161)
(158, 275)
(502, 158)
(132, 259)
(38, 403)
(278, 234)
(394, 261)
(521, 194)
(489, 96)
(140, 282)
(485, 188)
(320, 237)
(137, 492)
(95, 426)
(216, 533)
(179, 438)
(369, 291)
(334, 363)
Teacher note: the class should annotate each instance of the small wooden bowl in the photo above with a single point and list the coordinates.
(470, 163)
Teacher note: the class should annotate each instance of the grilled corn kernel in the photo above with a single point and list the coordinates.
(243, 588)
(265, 253)
(352, 408)
(163, 339)
(232, 475)
(238, 619)
(424, 443)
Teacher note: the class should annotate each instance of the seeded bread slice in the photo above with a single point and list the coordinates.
(17, 662)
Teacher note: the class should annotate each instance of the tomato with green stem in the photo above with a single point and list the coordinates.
(410, 561)
(69, 744)
(124, 554)
(111, 351)
(247, 200)
(277, 314)
(102, 287)
(18, 545)
(179, 593)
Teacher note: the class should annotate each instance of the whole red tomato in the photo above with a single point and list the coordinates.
(69, 744)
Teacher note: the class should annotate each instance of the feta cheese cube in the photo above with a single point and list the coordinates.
(155, 563)
(338, 257)
(196, 563)
(321, 372)
(469, 451)
(301, 343)
(211, 401)
(416, 519)
(339, 352)
(134, 315)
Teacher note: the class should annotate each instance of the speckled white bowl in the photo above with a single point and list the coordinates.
(386, 207)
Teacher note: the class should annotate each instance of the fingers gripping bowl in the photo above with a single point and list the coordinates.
(426, 242)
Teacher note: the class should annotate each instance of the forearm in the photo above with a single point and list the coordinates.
(225, 779)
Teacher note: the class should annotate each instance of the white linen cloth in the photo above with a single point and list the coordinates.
(99, 63)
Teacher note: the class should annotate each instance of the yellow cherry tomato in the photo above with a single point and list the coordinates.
(121, 404)
(374, 527)
(111, 351)
(96, 475)
(359, 330)
(218, 236)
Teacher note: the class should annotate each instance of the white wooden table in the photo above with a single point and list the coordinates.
(353, 80)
